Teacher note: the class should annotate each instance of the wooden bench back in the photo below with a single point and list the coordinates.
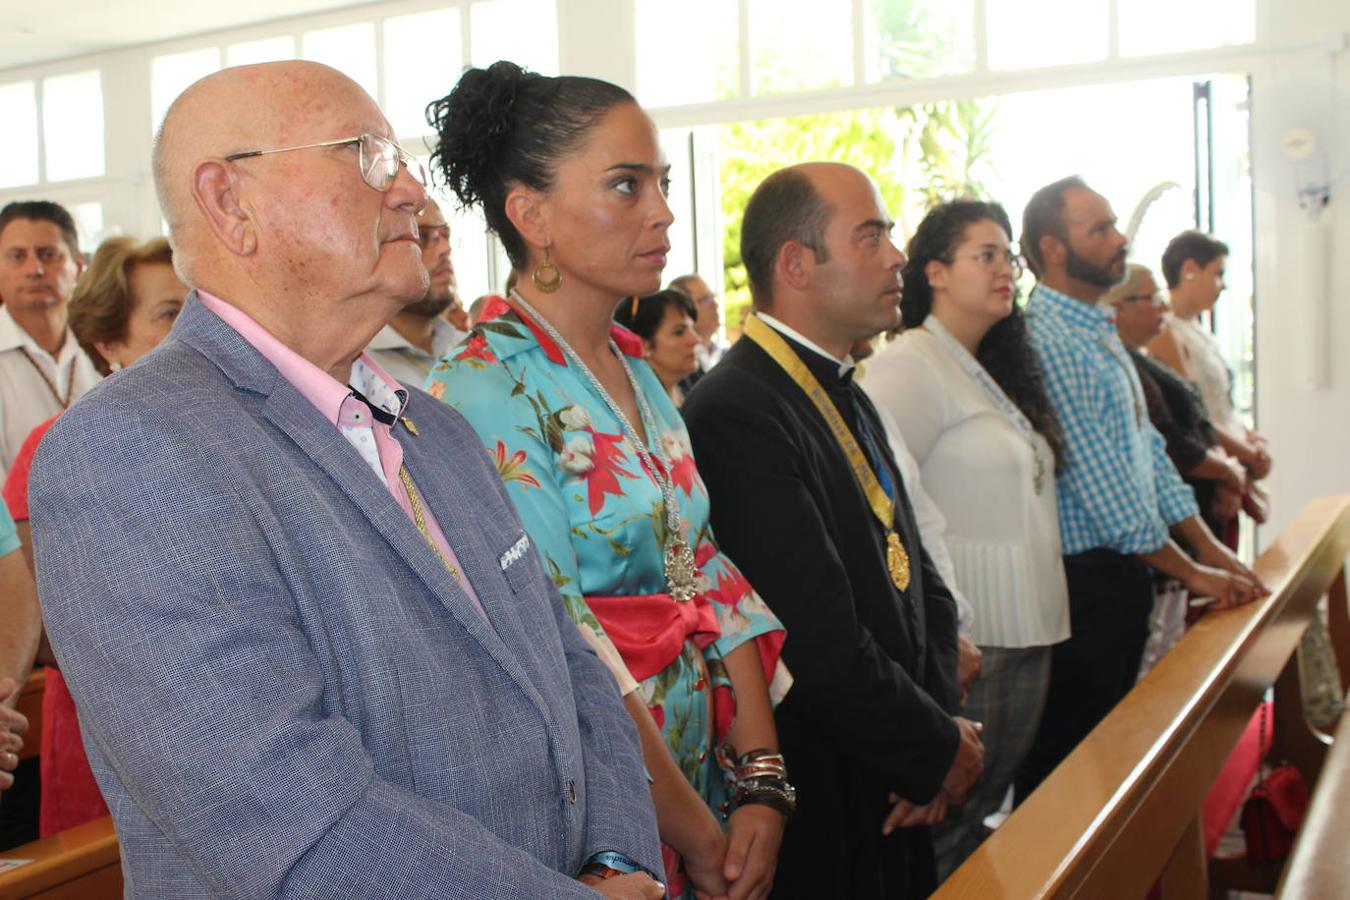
(81, 863)
(1124, 809)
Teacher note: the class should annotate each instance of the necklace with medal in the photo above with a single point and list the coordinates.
(680, 569)
(882, 506)
(971, 366)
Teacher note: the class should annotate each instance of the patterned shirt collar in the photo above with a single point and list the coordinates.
(507, 333)
(1071, 310)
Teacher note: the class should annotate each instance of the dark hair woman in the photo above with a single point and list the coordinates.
(666, 323)
(965, 389)
(570, 176)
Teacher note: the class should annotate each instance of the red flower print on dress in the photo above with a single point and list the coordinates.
(476, 349)
(601, 479)
(512, 468)
(658, 714)
(683, 472)
(731, 588)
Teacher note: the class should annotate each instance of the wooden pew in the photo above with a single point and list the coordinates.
(1319, 867)
(1123, 811)
(82, 863)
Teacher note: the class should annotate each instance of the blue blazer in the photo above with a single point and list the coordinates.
(283, 692)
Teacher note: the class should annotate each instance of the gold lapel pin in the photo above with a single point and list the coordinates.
(412, 429)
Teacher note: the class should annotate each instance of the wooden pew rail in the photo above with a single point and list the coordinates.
(1122, 813)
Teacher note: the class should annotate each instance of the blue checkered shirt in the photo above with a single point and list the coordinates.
(1119, 490)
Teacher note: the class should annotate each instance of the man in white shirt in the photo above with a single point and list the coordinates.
(418, 336)
(42, 368)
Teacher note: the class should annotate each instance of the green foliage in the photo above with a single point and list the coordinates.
(912, 41)
(917, 155)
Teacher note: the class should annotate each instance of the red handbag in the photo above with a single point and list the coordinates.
(1274, 809)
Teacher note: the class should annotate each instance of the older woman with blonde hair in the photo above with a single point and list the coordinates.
(127, 301)
(122, 307)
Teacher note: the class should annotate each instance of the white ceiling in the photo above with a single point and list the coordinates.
(32, 32)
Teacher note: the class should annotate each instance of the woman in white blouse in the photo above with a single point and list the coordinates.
(966, 390)
(1193, 265)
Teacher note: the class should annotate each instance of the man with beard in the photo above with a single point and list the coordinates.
(808, 499)
(1121, 501)
(417, 337)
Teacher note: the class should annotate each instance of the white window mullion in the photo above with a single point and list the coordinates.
(859, 43)
(41, 138)
(743, 47)
(981, 22)
(1113, 29)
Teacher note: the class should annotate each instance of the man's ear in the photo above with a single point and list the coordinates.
(527, 210)
(216, 191)
(1053, 250)
(795, 265)
(1190, 268)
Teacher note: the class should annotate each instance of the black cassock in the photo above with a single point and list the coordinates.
(875, 667)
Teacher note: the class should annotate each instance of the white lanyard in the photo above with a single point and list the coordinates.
(1002, 401)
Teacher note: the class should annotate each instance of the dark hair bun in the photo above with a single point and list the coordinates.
(504, 126)
(474, 123)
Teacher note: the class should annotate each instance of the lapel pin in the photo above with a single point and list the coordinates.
(412, 429)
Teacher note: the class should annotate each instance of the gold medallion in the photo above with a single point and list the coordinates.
(897, 561)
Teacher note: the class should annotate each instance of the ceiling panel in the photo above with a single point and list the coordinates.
(55, 29)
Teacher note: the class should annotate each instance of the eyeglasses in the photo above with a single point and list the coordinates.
(989, 258)
(379, 159)
(427, 234)
(1139, 298)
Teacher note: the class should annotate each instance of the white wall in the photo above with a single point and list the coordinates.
(1309, 428)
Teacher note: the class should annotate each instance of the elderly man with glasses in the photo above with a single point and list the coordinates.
(314, 652)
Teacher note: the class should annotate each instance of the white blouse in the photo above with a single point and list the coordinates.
(979, 468)
(1213, 378)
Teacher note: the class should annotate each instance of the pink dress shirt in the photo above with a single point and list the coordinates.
(371, 438)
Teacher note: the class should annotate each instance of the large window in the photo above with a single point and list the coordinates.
(523, 31)
(348, 48)
(423, 56)
(19, 149)
(170, 75)
(72, 125)
(693, 52)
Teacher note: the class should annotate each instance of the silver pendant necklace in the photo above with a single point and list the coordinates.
(680, 569)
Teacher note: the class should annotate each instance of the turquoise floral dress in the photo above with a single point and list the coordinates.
(597, 518)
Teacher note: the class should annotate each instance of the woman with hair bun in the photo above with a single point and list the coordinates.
(570, 176)
(965, 389)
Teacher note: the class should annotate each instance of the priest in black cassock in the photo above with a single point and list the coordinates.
(807, 499)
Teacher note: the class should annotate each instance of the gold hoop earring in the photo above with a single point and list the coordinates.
(546, 276)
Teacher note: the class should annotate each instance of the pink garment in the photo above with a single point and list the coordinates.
(347, 413)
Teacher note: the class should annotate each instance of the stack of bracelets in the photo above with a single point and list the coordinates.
(759, 777)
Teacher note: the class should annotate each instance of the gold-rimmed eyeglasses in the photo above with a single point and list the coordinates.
(379, 159)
